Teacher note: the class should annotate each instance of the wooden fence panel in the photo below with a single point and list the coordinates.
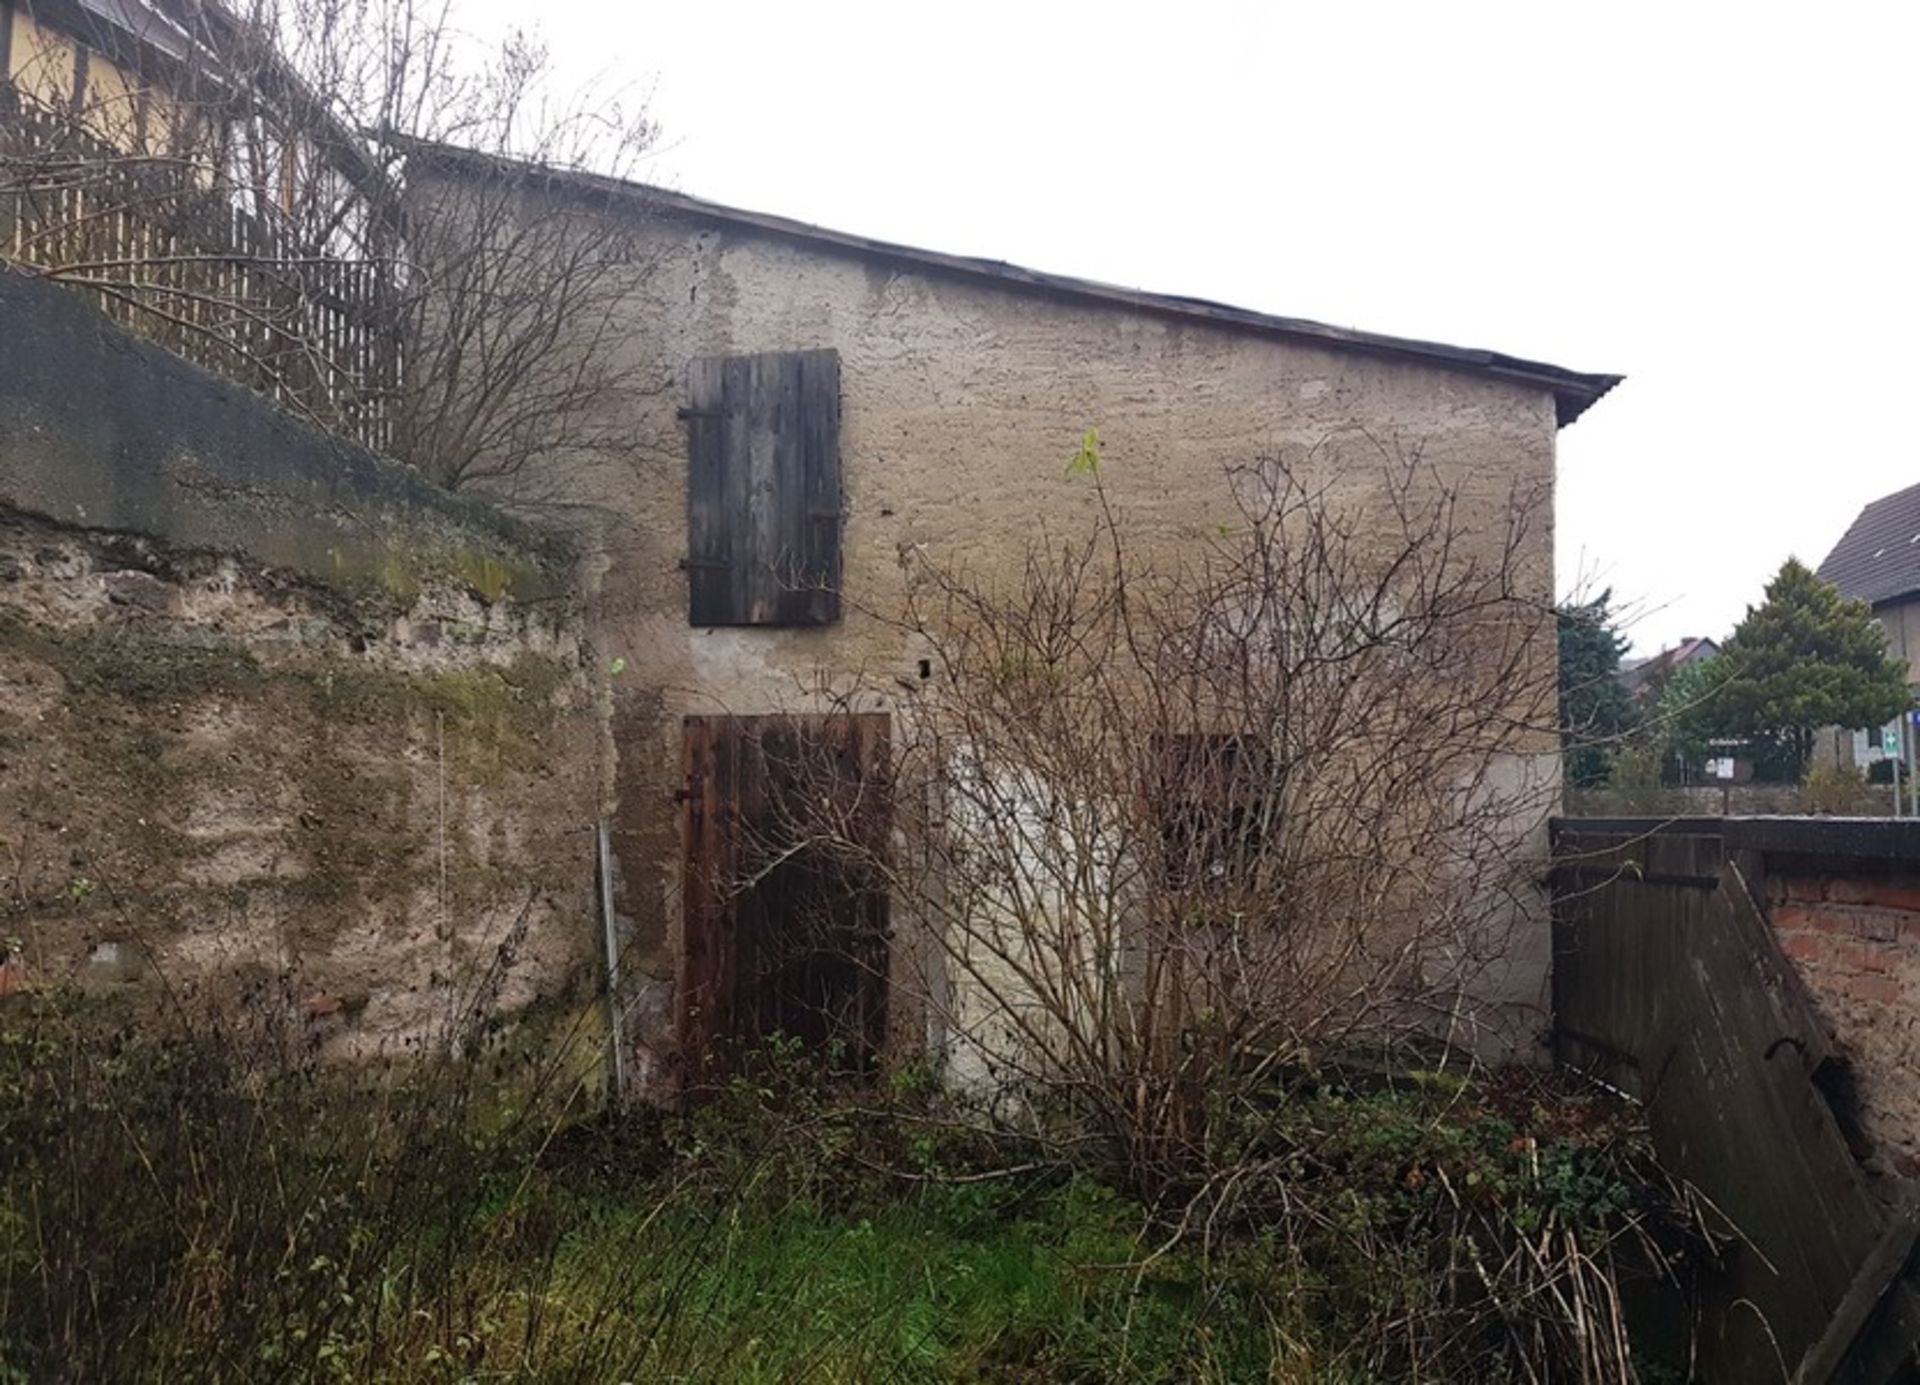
(172, 256)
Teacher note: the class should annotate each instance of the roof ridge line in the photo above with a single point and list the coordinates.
(1573, 391)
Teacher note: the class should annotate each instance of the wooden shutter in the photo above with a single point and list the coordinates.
(763, 489)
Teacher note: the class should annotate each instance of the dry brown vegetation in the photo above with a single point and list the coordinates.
(1169, 833)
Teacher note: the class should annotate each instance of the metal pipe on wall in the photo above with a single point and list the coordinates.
(616, 1048)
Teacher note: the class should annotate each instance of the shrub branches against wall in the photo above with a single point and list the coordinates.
(238, 187)
(1180, 821)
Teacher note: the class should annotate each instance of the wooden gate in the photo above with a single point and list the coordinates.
(785, 904)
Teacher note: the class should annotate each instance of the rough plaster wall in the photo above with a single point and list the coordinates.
(230, 778)
(960, 405)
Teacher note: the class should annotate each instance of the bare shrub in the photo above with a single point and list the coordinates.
(1206, 870)
(1835, 789)
(1638, 785)
(194, 1188)
(1174, 830)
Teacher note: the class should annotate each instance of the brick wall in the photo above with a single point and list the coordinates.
(1841, 896)
(1852, 928)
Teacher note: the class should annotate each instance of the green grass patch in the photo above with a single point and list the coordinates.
(211, 1203)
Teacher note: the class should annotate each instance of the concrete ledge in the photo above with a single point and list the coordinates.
(99, 430)
(1642, 826)
(1874, 839)
(1879, 839)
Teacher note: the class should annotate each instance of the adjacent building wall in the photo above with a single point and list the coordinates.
(1901, 621)
(118, 104)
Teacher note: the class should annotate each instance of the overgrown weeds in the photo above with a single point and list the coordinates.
(204, 1200)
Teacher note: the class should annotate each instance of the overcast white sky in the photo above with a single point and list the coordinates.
(1716, 201)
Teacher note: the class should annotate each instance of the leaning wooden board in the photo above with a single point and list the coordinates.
(1669, 983)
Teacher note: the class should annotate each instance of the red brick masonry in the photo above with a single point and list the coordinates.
(1856, 941)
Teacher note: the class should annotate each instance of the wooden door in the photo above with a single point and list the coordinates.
(785, 903)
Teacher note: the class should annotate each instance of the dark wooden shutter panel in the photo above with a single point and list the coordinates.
(763, 490)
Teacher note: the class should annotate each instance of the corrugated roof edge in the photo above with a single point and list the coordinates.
(1573, 391)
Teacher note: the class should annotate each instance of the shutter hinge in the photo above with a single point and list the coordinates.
(685, 414)
(704, 564)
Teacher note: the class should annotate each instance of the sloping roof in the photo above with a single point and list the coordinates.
(1642, 673)
(1573, 391)
(1879, 557)
(210, 39)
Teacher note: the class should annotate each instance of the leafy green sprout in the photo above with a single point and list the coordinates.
(1086, 460)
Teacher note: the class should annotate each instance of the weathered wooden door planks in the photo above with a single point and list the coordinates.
(1669, 983)
(785, 911)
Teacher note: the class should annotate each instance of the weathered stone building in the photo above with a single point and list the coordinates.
(848, 405)
(277, 713)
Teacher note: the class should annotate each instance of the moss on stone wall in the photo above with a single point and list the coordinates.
(314, 791)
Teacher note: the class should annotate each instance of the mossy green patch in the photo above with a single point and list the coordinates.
(484, 572)
(321, 753)
(115, 663)
(404, 571)
(496, 720)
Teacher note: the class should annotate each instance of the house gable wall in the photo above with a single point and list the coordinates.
(961, 402)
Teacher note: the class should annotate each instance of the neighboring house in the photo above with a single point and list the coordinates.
(1645, 681)
(119, 68)
(1645, 678)
(1878, 561)
(186, 81)
(162, 153)
(844, 403)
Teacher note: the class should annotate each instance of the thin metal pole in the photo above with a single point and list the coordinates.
(1906, 750)
(1896, 783)
(616, 1041)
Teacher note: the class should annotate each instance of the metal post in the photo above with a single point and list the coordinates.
(1906, 749)
(616, 1041)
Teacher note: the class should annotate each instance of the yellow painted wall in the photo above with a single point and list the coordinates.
(41, 62)
(41, 65)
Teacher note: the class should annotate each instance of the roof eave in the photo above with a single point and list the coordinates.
(1574, 392)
